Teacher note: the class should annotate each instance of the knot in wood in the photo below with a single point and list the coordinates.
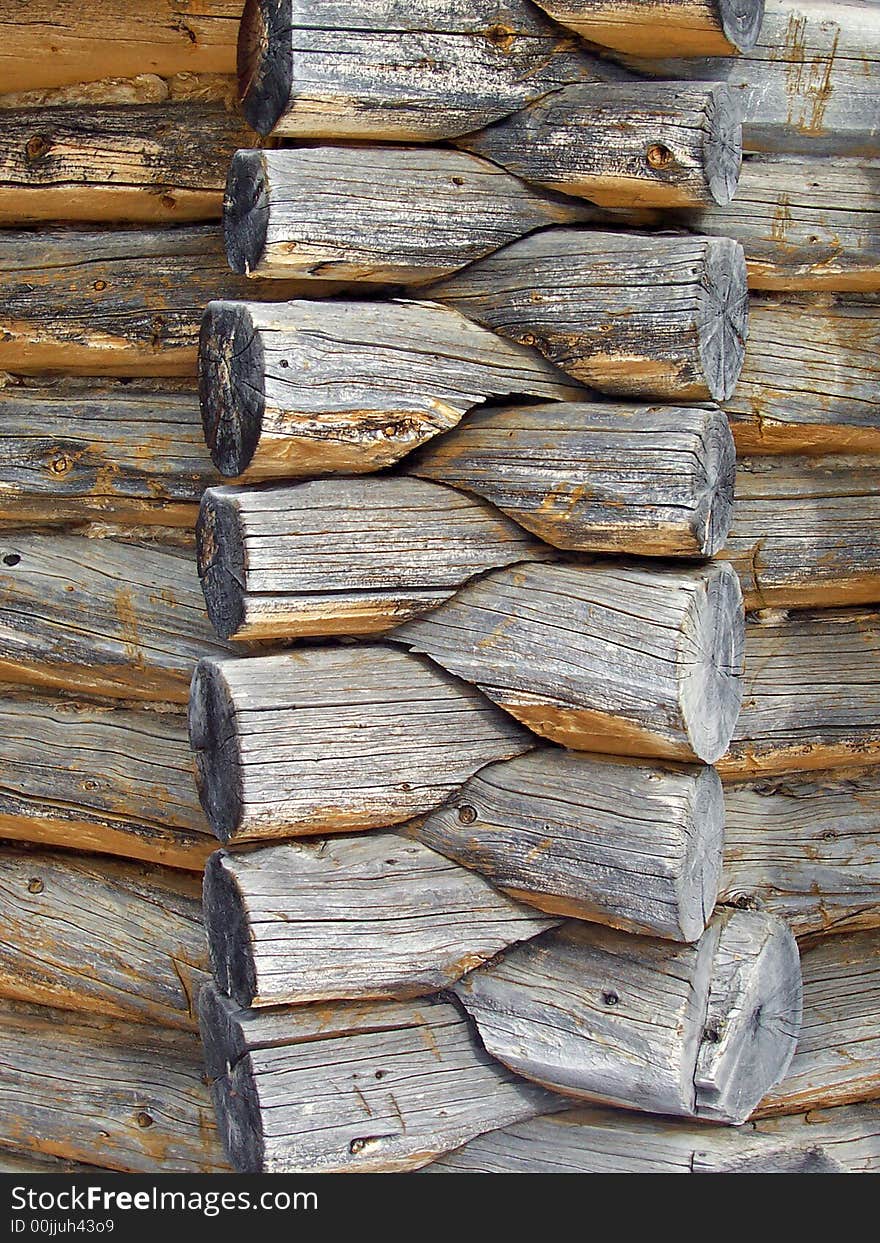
(467, 814)
(35, 885)
(37, 148)
(143, 1119)
(501, 37)
(659, 157)
(60, 465)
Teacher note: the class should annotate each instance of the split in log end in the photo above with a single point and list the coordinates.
(221, 562)
(229, 938)
(246, 211)
(212, 736)
(231, 385)
(232, 1086)
(723, 149)
(723, 316)
(265, 62)
(711, 661)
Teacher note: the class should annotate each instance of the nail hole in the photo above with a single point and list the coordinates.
(284, 363)
(35, 885)
(610, 998)
(466, 814)
(11, 558)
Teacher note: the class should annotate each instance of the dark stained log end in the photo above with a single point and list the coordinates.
(723, 316)
(265, 62)
(714, 515)
(231, 385)
(220, 549)
(711, 655)
(246, 211)
(723, 144)
(212, 736)
(232, 1085)
(226, 926)
(741, 22)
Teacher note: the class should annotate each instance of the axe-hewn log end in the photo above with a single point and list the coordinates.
(229, 938)
(231, 385)
(214, 741)
(221, 562)
(246, 211)
(710, 653)
(265, 62)
(723, 316)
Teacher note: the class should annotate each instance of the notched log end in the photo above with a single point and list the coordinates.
(699, 881)
(265, 62)
(213, 738)
(710, 659)
(231, 385)
(714, 513)
(226, 926)
(221, 561)
(723, 316)
(741, 22)
(232, 1084)
(723, 143)
(246, 211)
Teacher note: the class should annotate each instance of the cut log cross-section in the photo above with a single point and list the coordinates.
(601, 658)
(664, 27)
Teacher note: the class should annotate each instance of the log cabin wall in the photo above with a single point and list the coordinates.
(428, 733)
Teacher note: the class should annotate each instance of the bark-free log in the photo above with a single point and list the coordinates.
(374, 1086)
(806, 848)
(351, 917)
(629, 315)
(344, 556)
(121, 1095)
(596, 838)
(664, 27)
(384, 71)
(699, 1030)
(117, 939)
(334, 739)
(653, 482)
(806, 531)
(125, 620)
(811, 693)
(113, 780)
(311, 388)
(624, 145)
(601, 658)
(403, 215)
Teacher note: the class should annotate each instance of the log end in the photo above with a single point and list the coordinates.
(741, 22)
(231, 385)
(221, 561)
(232, 1082)
(722, 146)
(699, 881)
(226, 927)
(713, 514)
(213, 738)
(246, 211)
(710, 661)
(265, 62)
(723, 316)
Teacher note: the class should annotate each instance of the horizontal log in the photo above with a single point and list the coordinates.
(701, 1030)
(373, 916)
(664, 27)
(113, 302)
(54, 42)
(611, 1141)
(129, 164)
(600, 658)
(369, 1087)
(117, 781)
(652, 482)
(289, 213)
(606, 840)
(806, 848)
(838, 1055)
(107, 618)
(335, 739)
(344, 556)
(124, 1096)
(17, 1163)
(811, 693)
(806, 531)
(310, 388)
(809, 384)
(625, 314)
(86, 451)
(137, 931)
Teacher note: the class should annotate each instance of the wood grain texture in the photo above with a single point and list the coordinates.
(373, 916)
(80, 451)
(811, 692)
(806, 531)
(96, 615)
(700, 1030)
(606, 840)
(129, 164)
(290, 213)
(606, 658)
(806, 848)
(344, 556)
(124, 1096)
(651, 482)
(113, 780)
(838, 1056)
(118, 939)
(328, 739)
(629, 315)
(311, 388)
(664, 27)
(377, 1086)
(809, 384)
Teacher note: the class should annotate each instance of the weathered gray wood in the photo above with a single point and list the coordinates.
(664, 27)
(611, 1141)
(643, 144)
(809, 384)
(99, 616)
(602, 658)
(655, 482)
(352, 917)
(806, 531)
(806, 848)
(334, 739)
(311, 388)
(16, 1163)
(630, 315)
(289, 213)
(78, 451)
(118, 939)
(344, 556)
(811, 693)
(106, 1092)
(601, 839)
(838, 1055)
(114, 780)
(700, 1030)
(376, 1086)
(388, 71)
